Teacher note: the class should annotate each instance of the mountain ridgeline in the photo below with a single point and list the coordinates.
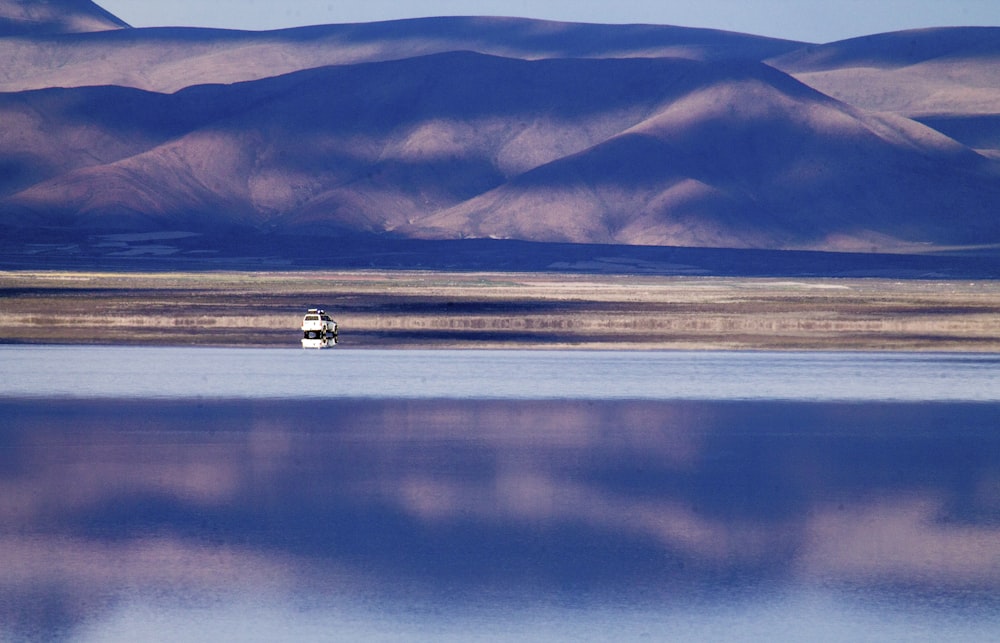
(457, 129)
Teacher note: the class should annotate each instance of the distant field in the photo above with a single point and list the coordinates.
(493, 310)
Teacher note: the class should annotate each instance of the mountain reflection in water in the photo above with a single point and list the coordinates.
(656, 506)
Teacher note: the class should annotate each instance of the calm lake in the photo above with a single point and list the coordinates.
(173, 494)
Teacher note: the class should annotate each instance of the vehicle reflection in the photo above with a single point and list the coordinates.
(328, 341)
(622, 501)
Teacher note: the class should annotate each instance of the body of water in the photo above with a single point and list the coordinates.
(211, 494)
(168, 372)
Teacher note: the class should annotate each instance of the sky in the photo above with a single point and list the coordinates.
(806, 20)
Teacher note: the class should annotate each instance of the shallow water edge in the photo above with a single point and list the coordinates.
(171, 372)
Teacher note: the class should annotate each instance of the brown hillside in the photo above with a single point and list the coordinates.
(32, 17)
(632, 151)
(170, 59)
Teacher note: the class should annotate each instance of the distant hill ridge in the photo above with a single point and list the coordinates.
(481, 128)
(169, 59)
(27, 17)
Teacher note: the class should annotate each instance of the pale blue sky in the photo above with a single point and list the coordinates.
(808, 20)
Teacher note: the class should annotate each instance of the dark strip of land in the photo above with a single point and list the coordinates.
(412, 309)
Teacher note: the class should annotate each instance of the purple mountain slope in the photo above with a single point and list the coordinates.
(168, 59)
(633, 151)
(33, 17)
(450, 129)
(750, 159)
(946, 78)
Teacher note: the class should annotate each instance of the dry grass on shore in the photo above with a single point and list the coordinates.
(493, 310)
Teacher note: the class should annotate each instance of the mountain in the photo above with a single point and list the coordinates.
(947, 78)
(436, 132)
(169, 59)
(34, 17)
(749, 159)
(628, 151)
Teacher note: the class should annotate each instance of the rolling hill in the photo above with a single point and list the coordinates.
(169, 59)
(444, 131)
(948, 79)
(33, 17)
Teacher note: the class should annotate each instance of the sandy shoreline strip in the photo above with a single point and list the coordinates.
(414, 309)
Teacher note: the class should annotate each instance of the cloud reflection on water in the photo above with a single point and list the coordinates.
(619, 501)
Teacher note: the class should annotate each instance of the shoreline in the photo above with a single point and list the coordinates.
(493, 310)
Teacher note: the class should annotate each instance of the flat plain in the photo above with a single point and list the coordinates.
(413, 309)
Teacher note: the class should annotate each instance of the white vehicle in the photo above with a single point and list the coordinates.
(318, 329)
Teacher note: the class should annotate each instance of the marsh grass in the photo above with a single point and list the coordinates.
(433, 309)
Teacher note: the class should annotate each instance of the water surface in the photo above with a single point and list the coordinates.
(155, 372)
(546, 511)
